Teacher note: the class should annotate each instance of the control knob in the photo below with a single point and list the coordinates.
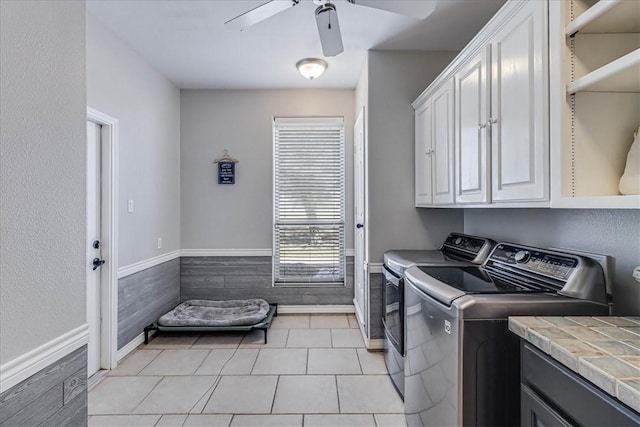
(458, 240)
(522, 256)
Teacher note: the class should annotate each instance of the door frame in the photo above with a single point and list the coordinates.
(109, 233)
(361, 116)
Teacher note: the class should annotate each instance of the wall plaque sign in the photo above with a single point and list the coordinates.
(226, 168)
(226, 173)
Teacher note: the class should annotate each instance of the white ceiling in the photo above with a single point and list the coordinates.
(188, 42)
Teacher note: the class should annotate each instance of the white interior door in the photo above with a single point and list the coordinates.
(94, 226)
(360, 277)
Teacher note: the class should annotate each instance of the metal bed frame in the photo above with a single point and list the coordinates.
(263, 326)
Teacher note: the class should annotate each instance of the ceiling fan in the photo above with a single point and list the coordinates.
(327, 16)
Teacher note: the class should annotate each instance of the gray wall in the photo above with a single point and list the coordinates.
(250, 277)
(42, 173)
(240, 216)
(55, 396)
(145, 296)
(609, 232)
(122, 85)
(395, 79)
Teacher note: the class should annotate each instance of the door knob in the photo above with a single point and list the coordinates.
(359, 225)
(97, 262)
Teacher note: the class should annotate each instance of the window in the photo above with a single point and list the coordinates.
(308, 214)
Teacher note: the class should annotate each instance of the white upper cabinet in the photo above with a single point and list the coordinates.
(519, 107)
(490, 116)
(443, 145)
(423, 191)
(435, 147)
(471, 130)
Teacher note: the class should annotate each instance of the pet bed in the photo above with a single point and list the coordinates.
(216, 316)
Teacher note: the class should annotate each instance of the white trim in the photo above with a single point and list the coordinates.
(315, 309)
(358, 312)
(130, 269)
(32, 362)
(226, 252)
(375, 344)
(132, 345)
(371, 344)
(375, 268)
(137, 267)
(109, 281)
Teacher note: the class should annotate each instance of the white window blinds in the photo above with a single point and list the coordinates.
(309, 187)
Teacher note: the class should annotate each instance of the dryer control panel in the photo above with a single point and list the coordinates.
(534, 260)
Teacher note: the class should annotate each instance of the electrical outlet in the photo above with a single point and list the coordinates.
(130, 205)
(159, 242)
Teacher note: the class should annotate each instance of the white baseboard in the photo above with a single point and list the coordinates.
(315, 309)
(376, 344)
(358, 311)
(137, 267)
(132, 345)
(371, 344)
(32, 362)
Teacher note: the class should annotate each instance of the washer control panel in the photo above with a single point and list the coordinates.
(465, 243)
(534, 260)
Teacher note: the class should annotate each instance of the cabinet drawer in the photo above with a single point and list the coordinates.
(573, 396)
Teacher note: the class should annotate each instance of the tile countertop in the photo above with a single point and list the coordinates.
(603, 350)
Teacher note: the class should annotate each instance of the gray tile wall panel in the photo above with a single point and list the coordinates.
(40, 399)
(145, 296)
(251, 277)
(376, 330)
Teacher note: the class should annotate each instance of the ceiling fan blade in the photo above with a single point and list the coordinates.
(260, 13)
(416, 9)
(329, 30)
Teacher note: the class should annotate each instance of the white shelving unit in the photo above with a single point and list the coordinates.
(607, 16)
(595, 100)
(620, 75)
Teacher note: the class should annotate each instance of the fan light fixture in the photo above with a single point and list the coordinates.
(311, 68)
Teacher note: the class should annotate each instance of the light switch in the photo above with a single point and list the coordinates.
(159, 242)
(130, 205)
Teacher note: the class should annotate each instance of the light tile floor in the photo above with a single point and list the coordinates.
(313, 372)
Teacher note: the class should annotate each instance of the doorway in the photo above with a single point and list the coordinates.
(101, 241)
(359, 209)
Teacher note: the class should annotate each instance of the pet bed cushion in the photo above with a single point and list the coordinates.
(216, 313)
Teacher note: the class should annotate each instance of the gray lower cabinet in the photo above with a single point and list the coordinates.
(553, 395)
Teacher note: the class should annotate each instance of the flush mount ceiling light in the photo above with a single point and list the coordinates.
(311, 68)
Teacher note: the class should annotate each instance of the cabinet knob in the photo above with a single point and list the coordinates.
(492, 121)
(482, 125)
(429, 152)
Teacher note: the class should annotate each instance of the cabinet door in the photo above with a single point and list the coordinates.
(443, 145)
(519, 107)
(424, 196)
(471, 130)
(536, 413)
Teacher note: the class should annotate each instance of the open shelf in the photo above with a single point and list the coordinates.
(608, 16)
(620, 75)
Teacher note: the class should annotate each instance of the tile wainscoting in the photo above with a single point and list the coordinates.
(145, 296)
(55, 396)
(376, 284)
(239, 277)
